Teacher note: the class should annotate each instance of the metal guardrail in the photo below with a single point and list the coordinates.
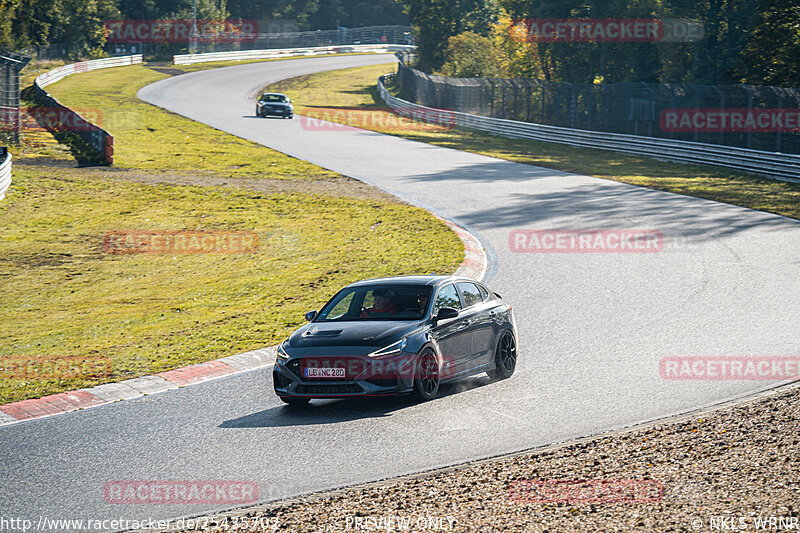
(244, 55)
(58, 74)
(775, 165)
(5, 171)
(99, 139)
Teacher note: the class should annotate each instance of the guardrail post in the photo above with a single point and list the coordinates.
(5, 171)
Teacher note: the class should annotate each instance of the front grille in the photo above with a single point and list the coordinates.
(294, 367)
(383, 382)
(280, 381)
(328, 389)
(353, 366)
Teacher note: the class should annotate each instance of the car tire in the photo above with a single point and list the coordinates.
(295, 402)
(258, 112)
(291, 116)
(426, 376)
(505, 357)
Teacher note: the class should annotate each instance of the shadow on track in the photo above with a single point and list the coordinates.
(334, 411)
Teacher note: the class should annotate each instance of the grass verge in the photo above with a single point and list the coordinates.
(65, 299)
(350, 96)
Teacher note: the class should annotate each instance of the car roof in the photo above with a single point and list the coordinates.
(432, 280)
(273, 94)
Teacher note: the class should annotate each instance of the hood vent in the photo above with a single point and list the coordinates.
(316, 332)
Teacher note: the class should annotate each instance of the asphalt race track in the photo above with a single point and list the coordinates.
(593, 327)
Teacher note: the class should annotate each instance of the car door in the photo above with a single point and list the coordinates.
(453, 336)
(480, 325)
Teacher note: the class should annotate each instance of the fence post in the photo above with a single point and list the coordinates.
(696, 106)
(11, 65)
(779, 133)
(720, 139)
(529, 83)
(749, 113)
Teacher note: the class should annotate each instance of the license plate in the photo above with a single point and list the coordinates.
(321, 372)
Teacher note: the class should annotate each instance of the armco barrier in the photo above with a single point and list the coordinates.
(99, 139)
(245, 55)
(775, 165)
(5, 171)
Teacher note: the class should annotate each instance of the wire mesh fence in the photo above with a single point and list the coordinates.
(10, 66)
(47, 52)
(756, 117)
(264, 41)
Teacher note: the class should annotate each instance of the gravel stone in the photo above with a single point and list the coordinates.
(723, 470)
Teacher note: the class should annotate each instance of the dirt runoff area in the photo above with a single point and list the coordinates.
(730, 469)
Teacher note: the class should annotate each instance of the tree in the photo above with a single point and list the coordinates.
(435, 21)
(33, 20)
(727, 25)
(83, 27)
(470, 55)
(7, 40)
(357, 13)
(584, 62)
(771, 55)
(516, 57)
(297, 10)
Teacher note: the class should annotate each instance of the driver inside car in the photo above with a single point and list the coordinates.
(383, 306)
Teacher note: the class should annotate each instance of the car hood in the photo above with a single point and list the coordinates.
(281, 104)
(376, 333)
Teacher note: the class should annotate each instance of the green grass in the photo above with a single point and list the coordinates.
(150, 138)
(355, 88)
(64, 297)
(123, 117)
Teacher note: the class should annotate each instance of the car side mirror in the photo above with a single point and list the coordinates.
(445, 313)
(310, 315)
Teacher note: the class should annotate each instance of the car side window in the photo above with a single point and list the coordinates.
(484, 293)
(447, 297)
(471, 293)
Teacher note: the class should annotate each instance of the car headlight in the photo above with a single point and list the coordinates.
(392, 349)
(282, 355)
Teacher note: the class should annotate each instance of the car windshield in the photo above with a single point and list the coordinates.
(377, 302)
(273, 98)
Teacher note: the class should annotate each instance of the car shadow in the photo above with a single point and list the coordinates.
(254, 116)
(320, 412)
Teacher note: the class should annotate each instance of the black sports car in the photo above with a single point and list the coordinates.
(274, 104)
(397, 335)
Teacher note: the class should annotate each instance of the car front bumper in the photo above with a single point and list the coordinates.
(283, 112)
(364, 377)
